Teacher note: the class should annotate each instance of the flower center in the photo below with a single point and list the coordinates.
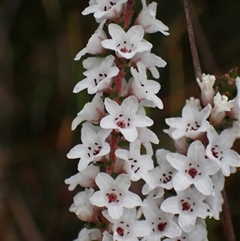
(186, 206)
(112, 197)
(120, 231)
(192, 172)
(162, 226)
(216, 153)
(94, 150)
(122, 122)
(99, 78)
(166, 178)
(192, 126)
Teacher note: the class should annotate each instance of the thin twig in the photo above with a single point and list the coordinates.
(226, 215)
(197, 67)
(227, 220)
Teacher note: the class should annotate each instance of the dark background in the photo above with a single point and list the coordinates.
(39, 39)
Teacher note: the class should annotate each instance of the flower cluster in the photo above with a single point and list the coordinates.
(116, 148)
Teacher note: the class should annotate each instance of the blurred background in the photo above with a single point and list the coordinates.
(39, 40)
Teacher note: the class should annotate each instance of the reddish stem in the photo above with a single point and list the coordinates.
(113, 145)
(118, 81)
(128, 13)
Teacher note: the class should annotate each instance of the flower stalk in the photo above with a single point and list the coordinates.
(185, 187)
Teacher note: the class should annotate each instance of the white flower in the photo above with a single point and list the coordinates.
(93, 112)
(156, 195)
(236, 107)
(127, 44)
(180, 144)
(193, 169)
(199, 233)
(107, 236)
(192, 123)
(137, 165)
(99, 78)
(219, 150)
(85, 178)
(221, 105)
(114, 194)
(93, 148)
(127, 228)
(147, 18)
(194, 101)
(216, 200)
(94, 45)
(161, 223)
(105, 9)
(143, 88)
(189, 205)
(89, 235)
(146, 136)
(150, 61)
(124, 117)
(81, 205)
(162, 174)
(165, 171)
(206, 86)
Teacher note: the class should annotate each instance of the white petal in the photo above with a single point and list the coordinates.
(111, 106)
(104, 181)
(186, 222)
(81, 85)
(116, 31)
(76, 152)
(130, 134)
(131, 200)
(107, 123)
(141, 229)
(204, 185)
(98, 199)
(177, 161)
(122, 181)
(115, 211)
(181, 182)
(170, 205)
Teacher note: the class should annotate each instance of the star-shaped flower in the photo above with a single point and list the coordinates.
(146, 136)
(216, 200)
(89, 235)
(206, 86)
(193, 169)
(236, 108)
(143, 88)
(219, 150)
(104, 9)
(162, 174)
(137, 165)
(161, 223)
(150, 61)
(114, 194)
(147, 18)
(192, 123)
(81, 205)
(189, 205)
(124, 117)
(99, 77)
(199, 233)
(128, 228)
(92, 111)
(85, 178)
(221, 105)
(94, 45)
(93, 148)
(126, 44)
